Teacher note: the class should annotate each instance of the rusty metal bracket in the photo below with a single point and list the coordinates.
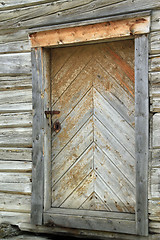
(54, 112)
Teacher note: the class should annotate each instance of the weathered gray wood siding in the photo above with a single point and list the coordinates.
(16, 19)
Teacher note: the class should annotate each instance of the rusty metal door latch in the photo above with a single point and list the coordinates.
(56, 126)
(47, 113)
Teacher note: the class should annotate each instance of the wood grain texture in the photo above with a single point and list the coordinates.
(13, 154)
(13, 64)
(37, 137)
(155, 26)
(155, 227)
(16, 101)
(47, 129)
(8, 120)
(20, 3)
(90, 88)
(84, 233)
(155, 104)
(154, 78)
(15, 166)
(156, 158)
(155, 42)
(156, 132)
(154, 63)
(16, 137)
(141, 132)
(18, 183)
(154, 210)
(155, 184)
(14, 217)
(98, 31)
(15, 83)
(15, 47)
(62, 12)
(90, 223)
(15, 203)
(13, 35)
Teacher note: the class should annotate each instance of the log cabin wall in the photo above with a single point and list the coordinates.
(17, 18)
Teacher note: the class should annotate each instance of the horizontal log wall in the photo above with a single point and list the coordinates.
(154, 78)
(15, 124)
(17, 18)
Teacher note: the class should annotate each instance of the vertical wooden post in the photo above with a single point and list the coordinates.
(141, 133)
(38, 125)
(47, 129)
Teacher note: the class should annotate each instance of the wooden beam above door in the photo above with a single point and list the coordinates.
(92, 32)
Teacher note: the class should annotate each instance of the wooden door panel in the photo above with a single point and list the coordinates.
(93, 155)
(74, 149)
(111, 89)
(72, 178)
(73, 122)
(114, 150)
(113, 121)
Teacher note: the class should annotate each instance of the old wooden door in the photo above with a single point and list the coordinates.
(93, 153)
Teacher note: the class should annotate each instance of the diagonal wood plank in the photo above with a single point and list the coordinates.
(114, 179)
(125, 49)
(80, 142)
(93, 165)
(94, 202)
(70, 71)
(73, 177)
(114, 93)
(116, 71)
(113, 121)
(57, 61)
(74, 93)
(108, 196)
(122, 63)
(73, 123)
(114, 150)
(81, 193)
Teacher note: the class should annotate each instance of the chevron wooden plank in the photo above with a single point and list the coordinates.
(125, 50)
(93, 165)
(59, 57)
(108, 196)
(114, 93)
(94, 203)
(74, 93)
(94, 184)
(112, 176)
(80, 142)
(114, 150)
(113, 121)
(74, 176)
(81, 193)
(73, 123)
(71, 69)
(116, 67)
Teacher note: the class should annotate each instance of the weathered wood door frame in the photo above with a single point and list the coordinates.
(41, 174)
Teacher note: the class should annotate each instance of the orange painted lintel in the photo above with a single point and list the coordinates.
(92, 32)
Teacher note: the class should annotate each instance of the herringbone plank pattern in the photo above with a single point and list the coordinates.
(93, 156)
